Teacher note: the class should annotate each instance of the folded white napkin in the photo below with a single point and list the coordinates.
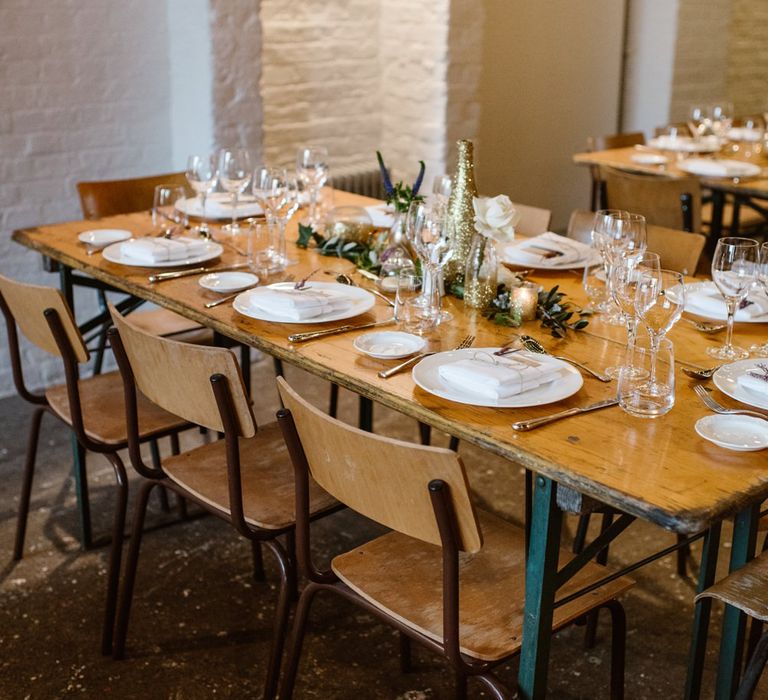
(296, 304)
(754, 384)
(533, 251)
(218, 205)
(685, 144)
(496, 381)
(741, 133)
(719, 168)
(381, 215)
(707, 301)
(156, 250)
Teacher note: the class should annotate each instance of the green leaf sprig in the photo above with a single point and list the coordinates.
(362, 255)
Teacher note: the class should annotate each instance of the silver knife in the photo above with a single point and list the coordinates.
(162, 276)
(311, 335)
(536, 422)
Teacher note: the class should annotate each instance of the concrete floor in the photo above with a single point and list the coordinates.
(200, 625)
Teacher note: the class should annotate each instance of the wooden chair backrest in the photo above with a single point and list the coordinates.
(28, 302)
(533, 220)
(656, 197)
(112, 197)
(382, 478)
(602, 143)
(176, 376)
(678, 250)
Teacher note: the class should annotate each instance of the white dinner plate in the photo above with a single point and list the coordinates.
(102, 237)
(508, 255)
(426, 375)
(691, 308)
(359, 300)
(227, 282)
(719, 168)
(649, 159)
(726, 379)
(219, 206)
(740, 433)
(389, 345)
(114, 253)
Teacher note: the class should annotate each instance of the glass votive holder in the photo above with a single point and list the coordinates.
(412, 311)
(261, 253)
(646, 384)
(524, 300)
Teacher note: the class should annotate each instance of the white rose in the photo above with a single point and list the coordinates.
(495, 217)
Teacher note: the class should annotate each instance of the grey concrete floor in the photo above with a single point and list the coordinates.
(200, 626)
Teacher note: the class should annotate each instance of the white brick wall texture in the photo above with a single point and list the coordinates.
(747, 75)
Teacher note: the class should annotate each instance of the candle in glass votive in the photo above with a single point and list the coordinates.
(524, 300)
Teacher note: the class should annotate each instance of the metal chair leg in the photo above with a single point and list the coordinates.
(365, 414)
(333, 403)
(682, 557)
(180, 501)
(258, 561)
(754, 670)
(115, 552)
(26, 485)
(454, 444)
(498, 690)
(618, 647)
(297, 639)
(81, 492)
(129, 579)
(460, 692)
(154, 449)
(425, 433)
(406, 661)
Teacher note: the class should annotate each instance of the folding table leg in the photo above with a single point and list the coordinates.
(540, 587)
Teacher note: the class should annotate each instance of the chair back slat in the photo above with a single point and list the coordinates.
(382, 478)
(533, 220)
(28, 302)
(176, 376)
(112, 197)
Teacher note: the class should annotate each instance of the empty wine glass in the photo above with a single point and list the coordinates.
(441, 190)
(278, 195)
(733, 271)
(234, 174)
(312, 169)
(165, 215)
(201, 176)
(721, 115)
(761, 275)
(699, 121)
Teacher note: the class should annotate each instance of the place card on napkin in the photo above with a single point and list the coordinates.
(497, 379)
(298, 304)
(708, 302)
(381, 215)
(754, 380)
(157, 250)
(540, 249)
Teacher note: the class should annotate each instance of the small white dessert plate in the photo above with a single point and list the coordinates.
(649, 159)
(389, 345)
(726, 378)
(227, 282)
(102, 237)
(740, 433)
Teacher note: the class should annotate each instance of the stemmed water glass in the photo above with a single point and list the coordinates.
(721, 116)
(432, 234)
(201, 176)
(278, 195)
(700, 122)
(761, 275)
(165, 214)
(312, 169)
(733, 271)
(234, 174)
(441, 190)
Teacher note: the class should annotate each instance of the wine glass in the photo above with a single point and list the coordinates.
(733, 271)
(234, 174)
(761, 275)
(165, 215)
(659, 304)
(201, 176)
(441, 189)
(278, 195)
(699, 121)
(722, 118)
(312, 169)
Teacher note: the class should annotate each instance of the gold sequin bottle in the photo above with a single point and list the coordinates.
(460, 210)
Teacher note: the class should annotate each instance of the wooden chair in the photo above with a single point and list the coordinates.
(533, 220)
(602, 143)
(745, 589)
(448, 576)
(92, 408)
(678, 250)
(245, 479)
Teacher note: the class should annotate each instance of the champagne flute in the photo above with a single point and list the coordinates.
(762, 278)
(201, 176)
(312, 169)
(733, 271)
(278, 195)
(165, 215)
(605, 220)
(234, 174)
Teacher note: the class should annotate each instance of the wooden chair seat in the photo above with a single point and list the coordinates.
(267, 478)
(744, 589)
(101, 398)
(492, 590)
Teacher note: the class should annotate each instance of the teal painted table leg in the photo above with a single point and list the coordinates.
(540, 587)
(734, 621)
(701, 614)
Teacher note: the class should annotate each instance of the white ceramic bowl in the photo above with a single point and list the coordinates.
(102, 237)
(740, 433)
(227, 282)
(389, 345)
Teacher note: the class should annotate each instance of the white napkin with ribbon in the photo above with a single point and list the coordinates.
(719, 168)
(536, 251)
(498, 380)
(381, 215)
(157, 250)
(707, 301)
(218, 205)
(752, 383)
(297, 304)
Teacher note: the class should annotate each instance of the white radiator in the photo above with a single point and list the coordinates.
(365, 182)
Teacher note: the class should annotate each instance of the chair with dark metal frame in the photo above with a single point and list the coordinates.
(92, 408)
(245, 479)
(602, 143)
(448, 576)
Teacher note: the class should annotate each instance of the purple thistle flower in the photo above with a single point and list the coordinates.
(419, 178)
(390, 190)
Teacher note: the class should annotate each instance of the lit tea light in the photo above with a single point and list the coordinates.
(524, 300)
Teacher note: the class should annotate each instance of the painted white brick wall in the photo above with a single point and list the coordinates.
(747, 76)
(83, 95)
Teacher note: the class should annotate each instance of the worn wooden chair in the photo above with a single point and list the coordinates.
(678, 250)
(745, 589)
(245, 479)
(533, 220)
(602, 143)
(92, 408)
(447, 576)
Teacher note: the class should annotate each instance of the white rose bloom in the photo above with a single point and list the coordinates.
(495, 217)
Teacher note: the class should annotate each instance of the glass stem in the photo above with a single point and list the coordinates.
(654, 347)
(312, 204)
(731, 306)
(631, 331)
(234, 209)
(203, 197)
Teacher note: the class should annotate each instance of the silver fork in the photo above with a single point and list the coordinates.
(466, 342)
(713, 405)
